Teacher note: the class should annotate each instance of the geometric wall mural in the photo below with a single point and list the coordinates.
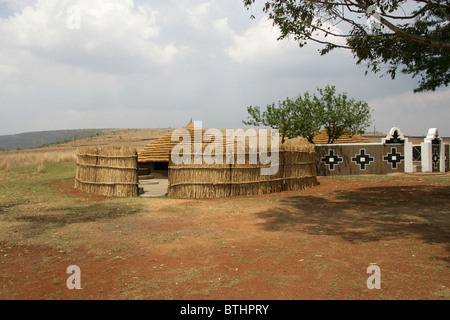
(331, 159)
(435, 158)
(394, 154)
(362, 159)
(393, 158)
(367, 158)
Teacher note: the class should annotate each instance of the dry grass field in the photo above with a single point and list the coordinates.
(136, 138)
(309, 244)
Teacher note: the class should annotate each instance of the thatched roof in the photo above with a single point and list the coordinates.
(160, 149)
(322, 138)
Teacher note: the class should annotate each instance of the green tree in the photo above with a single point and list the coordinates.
(308, 117)
(281, 118)
(305, 115)
(341, 114)
(410, 36)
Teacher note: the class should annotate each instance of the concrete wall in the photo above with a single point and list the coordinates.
(393, 154)
(354, 159)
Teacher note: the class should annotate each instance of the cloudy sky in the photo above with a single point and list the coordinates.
(75, 64)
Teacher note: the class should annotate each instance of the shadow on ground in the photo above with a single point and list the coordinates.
(367, 214)
(61, 217)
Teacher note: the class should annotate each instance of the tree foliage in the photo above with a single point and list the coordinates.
(341, 114)
(306, 115)
(281, 118)
(410, 36)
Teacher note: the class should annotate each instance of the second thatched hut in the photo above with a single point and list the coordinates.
(230, 177)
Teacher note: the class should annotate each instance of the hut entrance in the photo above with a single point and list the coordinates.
(154, 162)
(161, 168)
(153, 179)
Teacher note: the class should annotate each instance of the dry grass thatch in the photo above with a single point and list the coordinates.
(223, 178)
(110, 171)
(322, 138)
(296, 170)
(160, 149)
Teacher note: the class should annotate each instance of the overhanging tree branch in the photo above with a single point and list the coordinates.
(420, 45)
(416, 38)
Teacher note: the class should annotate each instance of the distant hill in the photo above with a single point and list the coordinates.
(137, 138)
(42, 138)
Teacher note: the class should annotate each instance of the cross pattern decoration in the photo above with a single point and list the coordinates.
(435, 158)
(331, 159)
(394, 158)
(362, 159)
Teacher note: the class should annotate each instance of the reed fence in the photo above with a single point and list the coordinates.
(109, 171)
(296, 171)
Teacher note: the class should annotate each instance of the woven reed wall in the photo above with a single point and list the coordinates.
(297, 170)
(109, 171)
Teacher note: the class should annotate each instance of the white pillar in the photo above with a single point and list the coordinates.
(408, 150)
(427, 151)
(442, 157)
(427, 162)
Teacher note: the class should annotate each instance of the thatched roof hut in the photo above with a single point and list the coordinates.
(322, 138)
(159, 150)
(246, 174)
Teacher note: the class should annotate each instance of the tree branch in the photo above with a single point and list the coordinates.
(413, 37)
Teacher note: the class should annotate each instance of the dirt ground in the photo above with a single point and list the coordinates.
(309, 244)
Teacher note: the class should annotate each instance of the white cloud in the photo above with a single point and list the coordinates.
(18, 5)
(413, 113)
(110, 31)
(156, 64)
(198, 14)
(257, 44)
(222, 27)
